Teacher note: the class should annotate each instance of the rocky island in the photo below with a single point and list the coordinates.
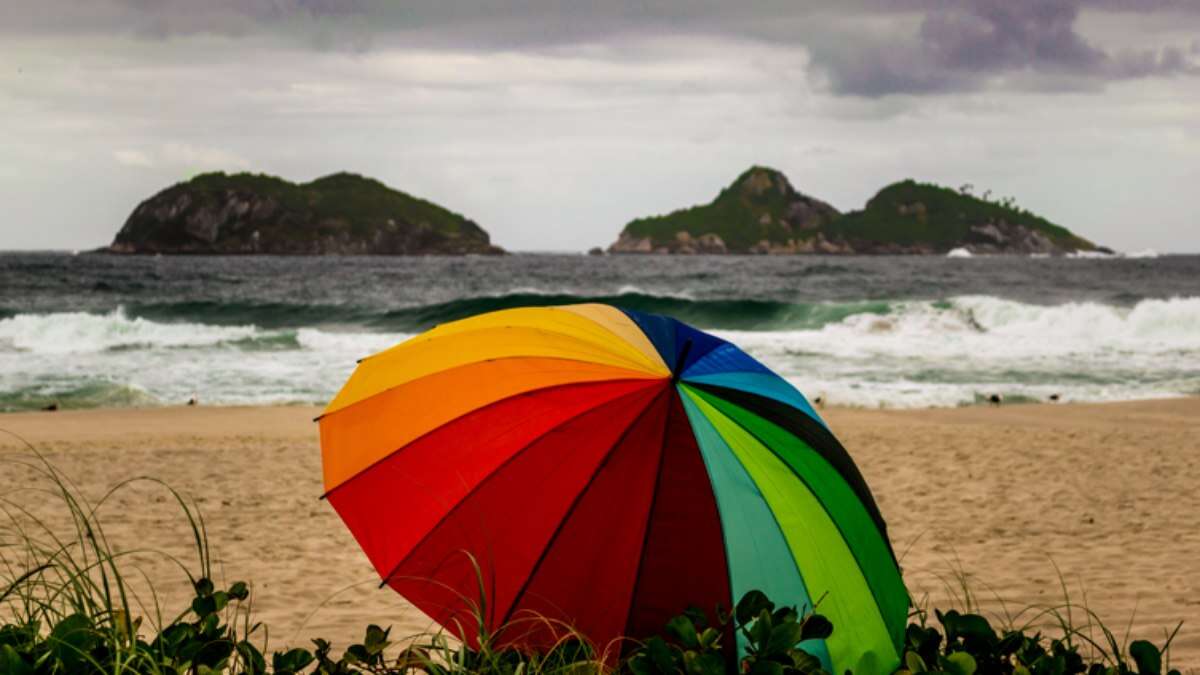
(340, 214)
(760, 212)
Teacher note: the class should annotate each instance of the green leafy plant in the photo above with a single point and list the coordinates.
(772, 637)
(968, 644)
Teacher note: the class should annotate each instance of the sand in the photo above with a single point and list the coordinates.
(1105, 495)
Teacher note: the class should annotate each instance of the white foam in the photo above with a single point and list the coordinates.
(919, 354)
(347, 342)
(960, 252)
(1093, 255)
(925, 353)
(79, 332)
(637, 290)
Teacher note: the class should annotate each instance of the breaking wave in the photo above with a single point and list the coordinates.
(900, 353)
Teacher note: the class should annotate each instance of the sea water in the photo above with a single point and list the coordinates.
(94, 330)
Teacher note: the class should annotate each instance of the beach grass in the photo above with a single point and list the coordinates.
(70, 602)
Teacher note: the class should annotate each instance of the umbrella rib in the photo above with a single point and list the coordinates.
(503, 465)
(575, 502)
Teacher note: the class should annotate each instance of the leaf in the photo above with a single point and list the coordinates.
(357, 654)
(413, 658)
(805, 662)
(785, 614)
(1146, 656)
(959, 663)
(816, 627)
(253, 662)
(759, 632)
(698, 617)
(968, 627)
(766, 668)
(751, 605)
(683, 630)
(708, 663)
(660, 655)
(783, 637)
(70, 641)
(915, 663)
(11, 662)
(204, 606)
(214, 654)
(239, 591)
(376, 639)
(291, 661)
(641, 665)
(710, 639)
(204, 586)
(923, 640)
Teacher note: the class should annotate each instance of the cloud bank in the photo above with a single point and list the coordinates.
(868, 48)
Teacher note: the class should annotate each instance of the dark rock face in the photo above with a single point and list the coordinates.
(1001, 236)
(341, 214)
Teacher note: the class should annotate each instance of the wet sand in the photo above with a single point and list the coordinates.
(1105, 495)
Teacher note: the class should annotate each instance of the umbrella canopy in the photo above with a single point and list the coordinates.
(610, 469)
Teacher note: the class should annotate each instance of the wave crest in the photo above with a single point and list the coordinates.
(81, 332)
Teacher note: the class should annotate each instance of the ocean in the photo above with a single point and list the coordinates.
(92, 330)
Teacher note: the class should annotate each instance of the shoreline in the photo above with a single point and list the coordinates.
(836, 409)
(1012, 496)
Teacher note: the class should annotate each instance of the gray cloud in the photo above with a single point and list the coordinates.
(868, 48)
(970, 45)
(527, 115)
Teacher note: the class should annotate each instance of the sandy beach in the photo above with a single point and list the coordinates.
(1103, 493)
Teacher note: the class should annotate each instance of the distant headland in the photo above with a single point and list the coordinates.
(760, 212)
(340, 214)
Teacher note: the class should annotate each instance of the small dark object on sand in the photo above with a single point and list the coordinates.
(52, 407)
(819, 401)
(996, 399)
(193, 401)
(1054, 397)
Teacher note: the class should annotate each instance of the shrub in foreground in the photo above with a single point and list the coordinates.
(66, 608)
(202, 641)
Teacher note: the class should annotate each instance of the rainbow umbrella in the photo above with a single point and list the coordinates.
(609, 469)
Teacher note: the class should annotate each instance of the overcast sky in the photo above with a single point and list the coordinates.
(552, 123)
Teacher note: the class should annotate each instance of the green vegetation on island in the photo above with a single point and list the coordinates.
(760, 212)
(909, 213)
(760, 205)
(341, 213)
